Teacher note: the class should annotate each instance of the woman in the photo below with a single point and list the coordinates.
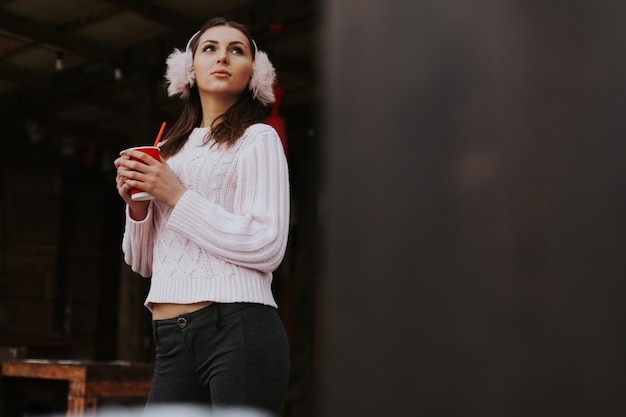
(216, 229)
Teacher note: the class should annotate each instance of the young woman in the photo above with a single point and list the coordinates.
(216, 229)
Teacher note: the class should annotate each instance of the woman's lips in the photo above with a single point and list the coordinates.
(221, 74)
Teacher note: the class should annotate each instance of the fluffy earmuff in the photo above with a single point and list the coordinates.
(179, 74)
(263, 77)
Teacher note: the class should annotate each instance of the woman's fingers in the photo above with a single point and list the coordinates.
(144, 166)
(136, 156)
(127, 177)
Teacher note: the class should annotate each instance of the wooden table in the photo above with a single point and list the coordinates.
(88, 380)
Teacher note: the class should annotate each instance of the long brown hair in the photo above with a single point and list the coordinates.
(229, 126)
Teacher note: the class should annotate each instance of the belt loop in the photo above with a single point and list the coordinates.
(218, 323)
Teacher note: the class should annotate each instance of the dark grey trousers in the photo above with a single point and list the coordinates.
(224, 355)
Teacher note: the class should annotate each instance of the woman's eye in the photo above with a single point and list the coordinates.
(237, 50)
(208, 48)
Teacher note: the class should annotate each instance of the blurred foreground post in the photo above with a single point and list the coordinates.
(475, 174)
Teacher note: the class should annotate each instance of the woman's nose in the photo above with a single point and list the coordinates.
(221, 57)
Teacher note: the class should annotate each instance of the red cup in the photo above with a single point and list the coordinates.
(153, 151)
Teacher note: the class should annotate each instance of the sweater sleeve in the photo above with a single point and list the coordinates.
(138, 242)
(254, 235)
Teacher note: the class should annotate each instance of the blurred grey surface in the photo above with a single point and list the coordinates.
(476, 189)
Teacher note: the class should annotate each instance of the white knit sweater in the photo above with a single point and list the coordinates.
(228, 231)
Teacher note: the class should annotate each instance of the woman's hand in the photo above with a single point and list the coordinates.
(138, 210)
(146, 174)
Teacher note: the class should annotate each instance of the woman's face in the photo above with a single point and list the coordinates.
(222, 62)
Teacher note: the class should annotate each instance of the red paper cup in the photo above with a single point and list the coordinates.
(153, 151)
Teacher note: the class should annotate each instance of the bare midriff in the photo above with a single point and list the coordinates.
(162, 311)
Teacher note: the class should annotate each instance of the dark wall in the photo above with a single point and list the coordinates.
(474, 233)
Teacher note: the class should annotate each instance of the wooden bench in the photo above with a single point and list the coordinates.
(88, 380)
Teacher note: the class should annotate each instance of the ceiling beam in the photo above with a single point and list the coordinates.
(165, 17)
(49, 35)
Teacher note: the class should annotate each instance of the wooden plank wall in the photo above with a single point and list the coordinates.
(51, 247)
(30, 246)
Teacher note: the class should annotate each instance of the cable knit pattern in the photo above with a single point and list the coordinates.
(229, 230)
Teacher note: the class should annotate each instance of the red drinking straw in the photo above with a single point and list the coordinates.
(158, 138)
